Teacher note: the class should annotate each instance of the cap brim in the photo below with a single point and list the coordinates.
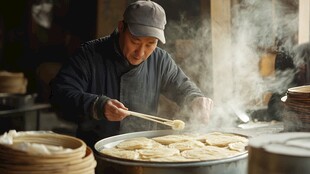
(142, 30)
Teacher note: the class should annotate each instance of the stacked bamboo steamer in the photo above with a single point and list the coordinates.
(13, 82)
(74, 157)
(297, 104)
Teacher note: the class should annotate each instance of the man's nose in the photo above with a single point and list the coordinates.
(139, 52)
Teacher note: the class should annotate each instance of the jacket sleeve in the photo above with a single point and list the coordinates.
(70, 91)
(175, 84)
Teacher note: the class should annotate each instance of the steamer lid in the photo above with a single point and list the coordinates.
(291, 144)
(300, 89)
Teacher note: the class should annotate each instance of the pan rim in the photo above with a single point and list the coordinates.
(112, 141)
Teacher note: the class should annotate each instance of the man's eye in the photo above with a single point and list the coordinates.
(134, 41)
(151, 44)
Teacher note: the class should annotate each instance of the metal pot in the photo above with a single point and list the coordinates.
(110, 165)
(285, 153)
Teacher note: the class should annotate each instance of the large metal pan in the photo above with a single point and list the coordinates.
(110, 165)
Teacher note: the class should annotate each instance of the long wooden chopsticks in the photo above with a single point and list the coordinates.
(152, 118)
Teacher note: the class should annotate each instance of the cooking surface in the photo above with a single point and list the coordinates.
(234, 165)
(113, 141)
(231, 165)
(253, 129)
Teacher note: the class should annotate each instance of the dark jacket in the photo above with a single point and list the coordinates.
(100, 71)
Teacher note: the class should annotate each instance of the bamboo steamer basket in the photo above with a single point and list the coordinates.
(297, 107)
(13, 82)
(78, 160)
(78, 148)
(85, 165)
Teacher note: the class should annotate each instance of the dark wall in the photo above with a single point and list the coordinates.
(25, 44)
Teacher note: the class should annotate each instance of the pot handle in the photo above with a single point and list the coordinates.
(283, 99)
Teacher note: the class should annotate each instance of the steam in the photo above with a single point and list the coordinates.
(253, 30)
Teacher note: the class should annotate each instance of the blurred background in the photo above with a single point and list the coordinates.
(227, 47)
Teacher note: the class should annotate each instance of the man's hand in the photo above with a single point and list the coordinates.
(201, 107)
(115, 110)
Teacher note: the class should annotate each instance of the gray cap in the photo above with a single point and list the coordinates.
(146, 18)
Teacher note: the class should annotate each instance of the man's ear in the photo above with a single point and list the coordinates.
(120, 26)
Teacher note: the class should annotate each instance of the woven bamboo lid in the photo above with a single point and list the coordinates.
(66, 155)
(300, 89)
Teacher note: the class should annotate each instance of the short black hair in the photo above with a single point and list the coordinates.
(125, 26)
(284, 61)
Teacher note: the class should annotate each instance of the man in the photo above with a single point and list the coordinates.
(124, 71)
(297, 63)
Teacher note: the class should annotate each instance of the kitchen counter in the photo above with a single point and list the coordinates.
(37, 107)
(253, 129)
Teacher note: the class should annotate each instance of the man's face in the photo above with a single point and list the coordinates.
(136, 49)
